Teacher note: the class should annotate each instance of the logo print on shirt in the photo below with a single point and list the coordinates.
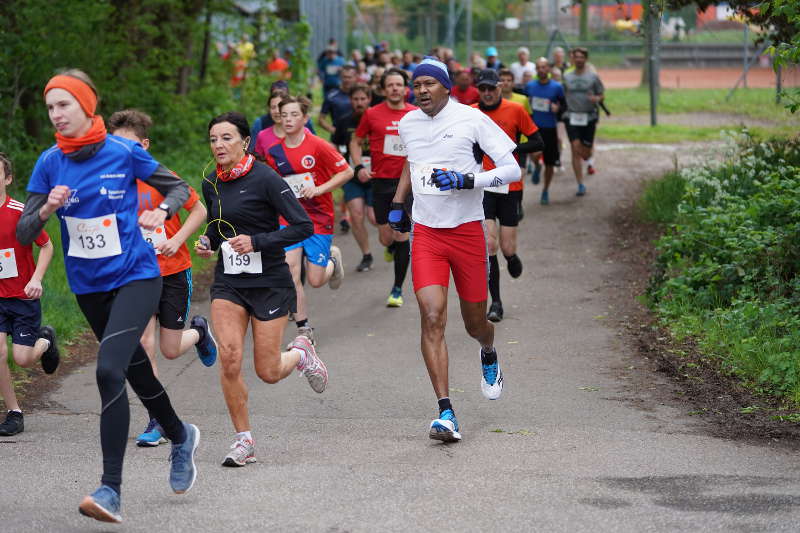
(73, 198)
(448, 136)
(496, 182)
(308, 161)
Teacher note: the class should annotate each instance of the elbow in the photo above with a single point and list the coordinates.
(307, 228)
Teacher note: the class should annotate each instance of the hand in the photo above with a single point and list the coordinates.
(364, 175)
(398, 219)
(33, 289)
(169, 247)
(595, 98)
(554, 107)
(152, 219)
(446, 180)
(56, 199)
(241, 244)
(203, 247)
(309, 191)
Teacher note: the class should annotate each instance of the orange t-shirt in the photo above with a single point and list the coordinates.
(150, 198)
(515, 121)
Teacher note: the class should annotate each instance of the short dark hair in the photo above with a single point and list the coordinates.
(131, 119)
(581, 50)
(8, 168)
(235, 118)
(349, 67)
(302, 101)
(360, 87)
(505, 72)
(394, 71)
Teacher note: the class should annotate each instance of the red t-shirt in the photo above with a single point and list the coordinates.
(468, 96)
(278, 64)
(13, 255)
(319, 158)
(150, 198)
(515, 121)
(376, 123)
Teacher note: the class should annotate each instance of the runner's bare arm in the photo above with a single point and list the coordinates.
(325, 123)
(34, 287)
(197, 214)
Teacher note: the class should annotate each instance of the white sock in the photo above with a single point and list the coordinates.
(15, 411)
(242, 435)
(303, 357)
(44, 340)
(590, 161)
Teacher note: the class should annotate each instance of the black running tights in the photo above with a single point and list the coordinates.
(118, 319)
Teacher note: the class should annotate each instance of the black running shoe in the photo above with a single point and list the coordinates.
(344, 225)
(13, 424)
(51, 357)
(495, 313)
(515, 266)
(365, 264)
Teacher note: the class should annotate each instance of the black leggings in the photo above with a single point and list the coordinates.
(118, 319)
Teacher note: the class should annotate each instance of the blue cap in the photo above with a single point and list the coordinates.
(430, 66)
(491, 51)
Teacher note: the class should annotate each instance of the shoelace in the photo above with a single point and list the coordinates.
(490, 373)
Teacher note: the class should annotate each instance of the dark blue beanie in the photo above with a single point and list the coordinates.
(430, 66)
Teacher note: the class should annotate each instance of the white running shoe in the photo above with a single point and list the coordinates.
(491, 380)
(445, 428)
(243, 451)
(335, 280)
(314, 369)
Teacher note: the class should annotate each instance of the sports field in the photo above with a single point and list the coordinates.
(694, 78)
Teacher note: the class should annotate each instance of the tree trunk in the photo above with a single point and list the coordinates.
(584, 21)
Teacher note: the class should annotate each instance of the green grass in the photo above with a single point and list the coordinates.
(660, 199)
(661, 134)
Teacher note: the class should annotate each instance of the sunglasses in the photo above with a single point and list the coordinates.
(486, 88)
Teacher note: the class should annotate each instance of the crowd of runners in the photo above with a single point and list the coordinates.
(421, 148)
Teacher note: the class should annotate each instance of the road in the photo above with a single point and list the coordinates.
(565, 449)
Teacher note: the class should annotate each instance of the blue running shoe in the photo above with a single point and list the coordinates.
(491, 380)
(206, 348)
(581, 190)
(445, 428)
(152, 435)
(183, 471)
(103, 505)
(545, 200)
(537, 172)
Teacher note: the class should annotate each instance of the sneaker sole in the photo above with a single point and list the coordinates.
(150, 443)
(210, 336)
(494, 317)
(394, 303)
(445, 435)
(194, 467)
(234, 463)
(92, 509)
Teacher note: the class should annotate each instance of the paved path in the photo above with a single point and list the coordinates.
(563, 450)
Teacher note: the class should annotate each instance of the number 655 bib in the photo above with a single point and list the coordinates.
(93, 238)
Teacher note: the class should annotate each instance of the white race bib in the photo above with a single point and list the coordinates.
(297, 181)
(332, 70)
(8, 264)
(240, 264)
(421, 181)
(93, 238)
(366, 162)
(578, 119)
(392, 145)
(502, 189)
(540, 104)
(154, 237)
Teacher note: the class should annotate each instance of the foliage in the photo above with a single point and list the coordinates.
(728, 270)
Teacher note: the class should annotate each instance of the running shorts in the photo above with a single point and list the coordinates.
(264, 303)
(176, 298)
(583, 133)
(317, 248)
(506, 208)
(383, 190)
(551, 153)
(435, 252)
(21, 318)
(355, 189)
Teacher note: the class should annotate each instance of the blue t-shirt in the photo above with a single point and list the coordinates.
(552, 91)
(329, 71)
(102, 187)
(337, 105)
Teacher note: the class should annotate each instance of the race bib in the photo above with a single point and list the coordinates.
(297, 181)
(332, 70)
(502, 189)
(540, 104)
(578, 119)
(366, 162)
(421, 181)
(392, 145)
(93, 238)
(154, 237)
(8, 264)
(240, 264)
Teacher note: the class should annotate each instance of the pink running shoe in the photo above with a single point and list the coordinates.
(314, 369)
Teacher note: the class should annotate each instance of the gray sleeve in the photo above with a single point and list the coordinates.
(598, 86)
(30, 225)
(174, 189)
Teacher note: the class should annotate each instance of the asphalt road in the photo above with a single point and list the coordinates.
(564, 449)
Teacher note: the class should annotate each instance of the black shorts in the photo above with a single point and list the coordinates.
(551, 153)
(583, 133)
(506, 208)
(383, 190)
(22, 319)
(176, 299)
(264, 303)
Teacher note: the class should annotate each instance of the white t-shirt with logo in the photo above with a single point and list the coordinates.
(446, 141)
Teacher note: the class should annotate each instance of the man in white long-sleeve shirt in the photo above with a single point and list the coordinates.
(445, 142)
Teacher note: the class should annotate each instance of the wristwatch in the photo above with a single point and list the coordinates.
(165, 207)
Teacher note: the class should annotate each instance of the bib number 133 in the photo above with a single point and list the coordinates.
(93, 238)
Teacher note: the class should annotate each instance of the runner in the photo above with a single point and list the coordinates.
(522, 65)
(547, 99)
(275, 133)
(20, 307)
(507, 88)
(312, 168)
(358, 193)
(504, 203)
(584, 91)
(175, 264)
(448, 230)
(89, 180)
(252, 284)
(379, 126)
(464, 91)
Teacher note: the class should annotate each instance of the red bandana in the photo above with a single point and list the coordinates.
(239, 169)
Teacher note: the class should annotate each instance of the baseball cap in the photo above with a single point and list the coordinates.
(488, 77)
(491, 51)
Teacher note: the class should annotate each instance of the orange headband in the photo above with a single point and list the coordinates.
(77, 88)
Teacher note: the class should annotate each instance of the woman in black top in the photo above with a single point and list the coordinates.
(252, 282)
